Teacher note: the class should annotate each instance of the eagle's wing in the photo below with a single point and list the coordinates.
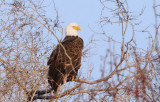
(54, 54)
(52, 57)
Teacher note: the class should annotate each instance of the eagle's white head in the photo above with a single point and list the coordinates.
(72, 29)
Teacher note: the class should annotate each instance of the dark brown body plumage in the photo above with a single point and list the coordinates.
(65, 61)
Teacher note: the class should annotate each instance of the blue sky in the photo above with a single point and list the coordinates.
(87, 14)
(84, 12)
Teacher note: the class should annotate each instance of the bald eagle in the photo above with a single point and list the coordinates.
(65, 60)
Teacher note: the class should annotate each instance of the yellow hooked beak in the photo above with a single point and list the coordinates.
(76, 28)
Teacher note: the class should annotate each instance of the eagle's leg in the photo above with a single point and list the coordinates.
(72, 78)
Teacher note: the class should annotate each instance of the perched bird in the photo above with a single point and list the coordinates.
(65, 60)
